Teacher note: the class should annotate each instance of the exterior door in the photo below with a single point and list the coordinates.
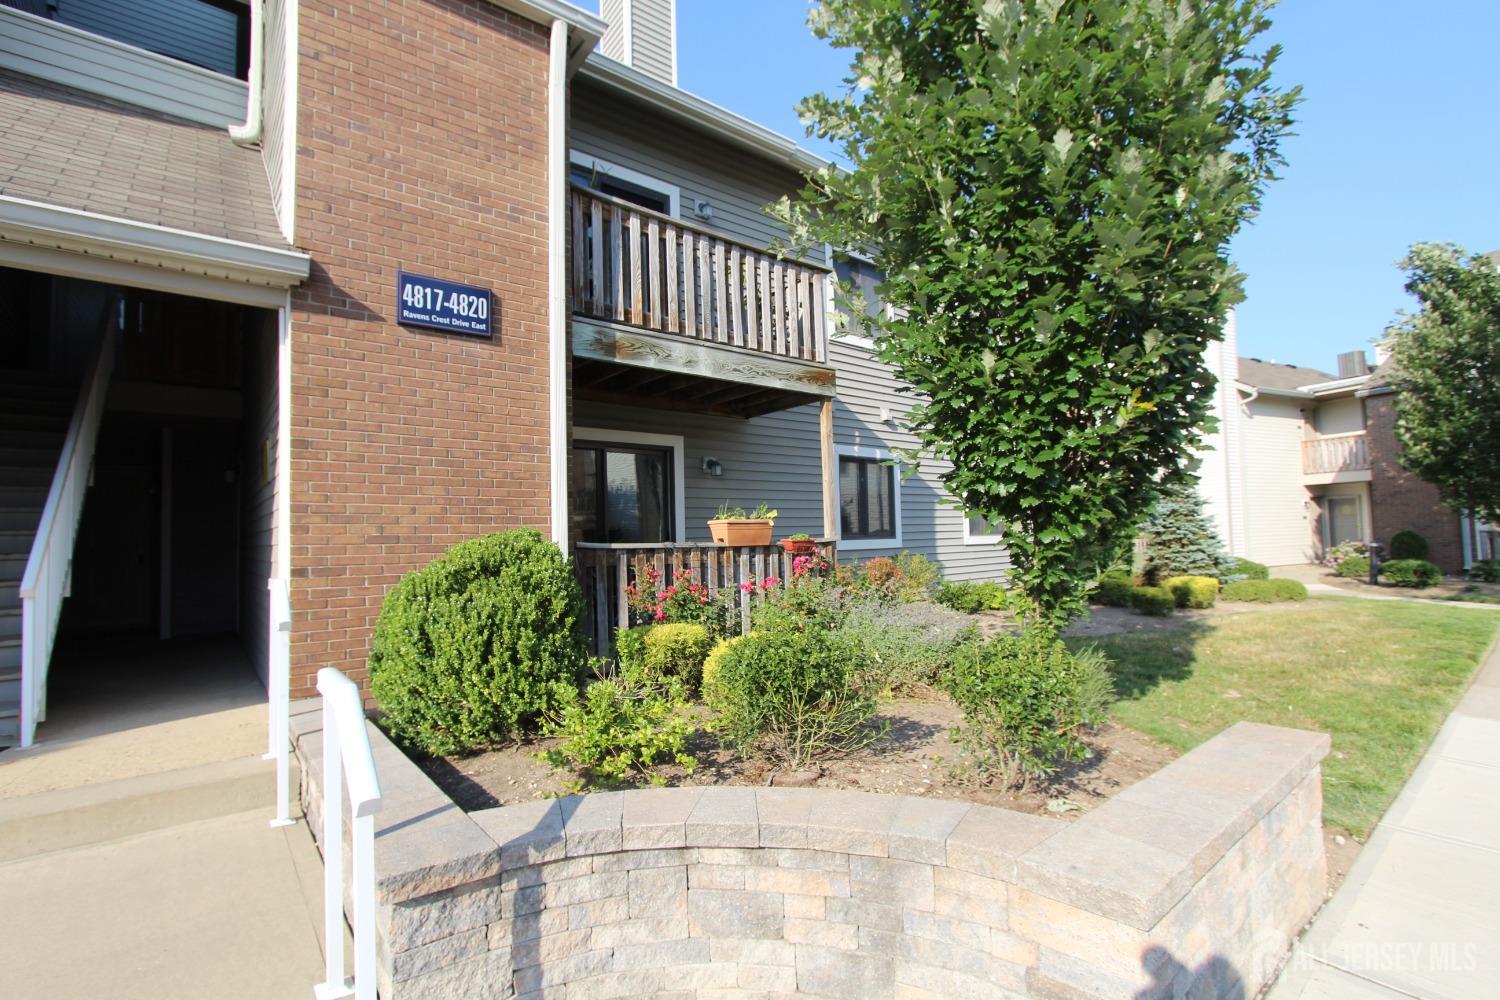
(1344, 521)
(621, 493)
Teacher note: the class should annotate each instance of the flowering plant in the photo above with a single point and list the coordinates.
(651, 601)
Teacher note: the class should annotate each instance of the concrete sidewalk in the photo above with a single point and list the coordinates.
(224, 907)
(1419, 915)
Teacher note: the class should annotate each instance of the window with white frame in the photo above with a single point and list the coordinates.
(869, 499)
(625, 486)
(978, 530)
(624, 183)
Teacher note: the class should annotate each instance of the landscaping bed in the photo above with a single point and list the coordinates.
(916, 757)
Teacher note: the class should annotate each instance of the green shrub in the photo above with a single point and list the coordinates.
(1344, 550)
(617, 731)
(1114, 590)
(1193, 591)
(794, 694)
(905, 644)
(1485, 571)
(1181, 539)
(1264, 591)
(479, 644)
(910, 576)
(1026, 700)
(675, 653)
(1407, 545)
(970, 596)
(1411, 572)
(810, 602)
(1156, 601)
(1355, 568)
(1247, 569)
(713, 691)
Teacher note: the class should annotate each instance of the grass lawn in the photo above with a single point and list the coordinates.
(1378, 676)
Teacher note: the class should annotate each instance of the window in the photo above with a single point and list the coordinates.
(869, 499)
(620, 493)
(979, 531)
(860, 276)
(623, 183)
(213, 34)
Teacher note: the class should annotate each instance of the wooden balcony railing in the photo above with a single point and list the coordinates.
(1335, 453)
(604, 571)
(631, 265)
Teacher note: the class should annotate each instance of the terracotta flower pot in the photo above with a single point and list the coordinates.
(800, 546)
(737, 532)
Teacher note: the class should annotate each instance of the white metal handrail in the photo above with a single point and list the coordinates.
(49, 568)
(279, 695)
(347, 763)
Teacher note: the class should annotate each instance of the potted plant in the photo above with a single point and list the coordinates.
(800, 544)
(733, 526)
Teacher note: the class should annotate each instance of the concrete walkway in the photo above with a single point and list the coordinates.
(1419, 915)
(222, 907)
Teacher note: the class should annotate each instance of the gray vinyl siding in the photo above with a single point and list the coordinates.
(90, 62)
(258, 495)
(607, 127)
(776, 459)
(647, 43)
(651, 37)
(189, 30)
(274, 140)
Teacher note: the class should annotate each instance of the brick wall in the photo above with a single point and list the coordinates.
(421, 146)
(1399, 500)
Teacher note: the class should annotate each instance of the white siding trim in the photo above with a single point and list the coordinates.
(672, 192)
(884, 455)
(557, 281)
(606, 435)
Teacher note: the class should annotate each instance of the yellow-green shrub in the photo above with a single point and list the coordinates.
(676, 650)
(1193, 591)
(713, 691)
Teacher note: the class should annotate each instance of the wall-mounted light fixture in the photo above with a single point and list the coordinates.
(712, 467)
(703, 209)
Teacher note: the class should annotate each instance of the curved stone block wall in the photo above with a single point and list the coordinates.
(1196, 878)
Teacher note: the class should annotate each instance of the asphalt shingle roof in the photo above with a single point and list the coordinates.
(1270, 375)
(78, 150)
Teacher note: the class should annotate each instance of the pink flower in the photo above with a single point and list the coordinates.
(661, 614)
(769, 582)
(747, 586)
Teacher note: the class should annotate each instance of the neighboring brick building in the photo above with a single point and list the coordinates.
(1400, 501)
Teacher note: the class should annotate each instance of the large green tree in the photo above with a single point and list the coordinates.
(1049, 187)
(1447, 373)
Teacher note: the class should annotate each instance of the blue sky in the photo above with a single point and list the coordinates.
(1398, 142)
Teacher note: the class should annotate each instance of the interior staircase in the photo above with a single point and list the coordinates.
(33, 423)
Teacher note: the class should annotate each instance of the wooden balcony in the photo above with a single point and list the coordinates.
(673, 315)
(1336, 458)
(604, 570)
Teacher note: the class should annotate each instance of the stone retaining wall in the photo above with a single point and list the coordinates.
(1196, 878)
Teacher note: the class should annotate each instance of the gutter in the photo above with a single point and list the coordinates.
(705, 115)
(89, 233)
(584, 28)
(1258, 390)
(557, 289)
(248, 134)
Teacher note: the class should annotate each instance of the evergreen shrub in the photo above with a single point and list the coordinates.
(1411, 572)
(1408, 545)
(1354, 568)
(1264, 591)
(1156, 601)
(1114, 590)
(1181, 539)
(476, 646)
(1247, 569)
(1193, 591)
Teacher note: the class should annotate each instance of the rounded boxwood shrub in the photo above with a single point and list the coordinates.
(793, 695)
(676, 651)
(1193, 591)
(1113, 590)
(1156, 601)
(477, 645)
(1248, 569)
(1355, 568)
(1411, 572)
(1408, 545)
(713, 692)
(1264, 591)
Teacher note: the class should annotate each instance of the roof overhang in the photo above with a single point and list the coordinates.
(1259, 390)
(584, 29)
(705, 115)
(70, 230)
(1336, 387)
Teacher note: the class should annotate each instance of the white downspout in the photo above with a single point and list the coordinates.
(1466, 530)
(248, 134)
(557, 269)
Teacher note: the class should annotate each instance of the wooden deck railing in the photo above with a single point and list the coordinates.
(604, 571)
(632, 265)
(1335, 453)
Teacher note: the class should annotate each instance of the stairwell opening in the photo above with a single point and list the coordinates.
(166, 614)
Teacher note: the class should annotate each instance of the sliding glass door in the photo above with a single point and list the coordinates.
(621, 493)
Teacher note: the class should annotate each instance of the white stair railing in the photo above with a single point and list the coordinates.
(279, 696)
(49, 569)
(347, 762)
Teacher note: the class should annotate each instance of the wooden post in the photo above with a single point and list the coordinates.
(830, 470)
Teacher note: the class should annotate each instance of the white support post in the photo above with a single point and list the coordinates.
(279, 702)
(334, 984)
